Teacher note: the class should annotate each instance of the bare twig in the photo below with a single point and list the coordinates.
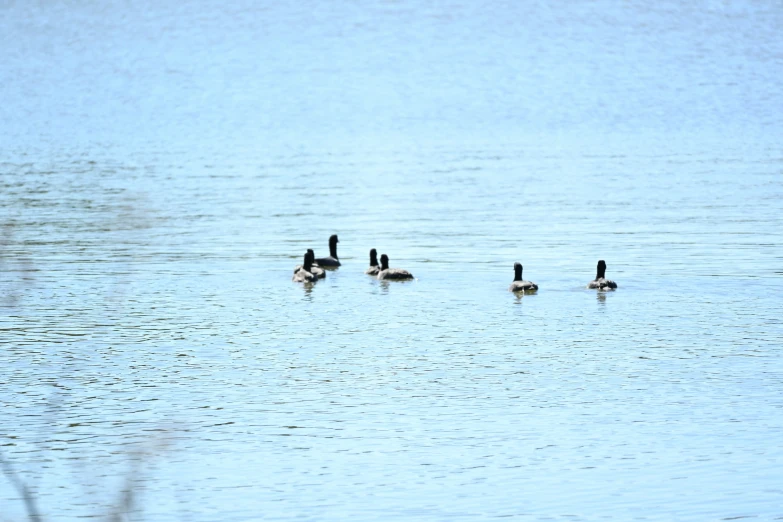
(21, 487)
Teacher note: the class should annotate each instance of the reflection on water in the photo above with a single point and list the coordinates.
(308, 290)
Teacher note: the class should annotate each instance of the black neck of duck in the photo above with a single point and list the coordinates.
(384, 262)
(601, 272)
(373, 257)
(517, 272)
(308, 262)
(333, 246)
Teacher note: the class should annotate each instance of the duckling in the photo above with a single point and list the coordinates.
(374, 269)
(519, 284)
(601, 282)
(304, 275)
(316, 270)
(392, 273)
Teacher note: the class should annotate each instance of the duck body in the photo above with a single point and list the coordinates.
(329, 262)
(303, 276)
(519, 284)
(397, 274)
(374, 268)
(601, 282)
(332, 261)
(316, 270)
(523, 286)
(394, 274)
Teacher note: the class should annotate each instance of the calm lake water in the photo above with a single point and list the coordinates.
(164, 167)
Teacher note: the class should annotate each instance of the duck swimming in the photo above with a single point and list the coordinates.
(332, 260)
(392, 273)
(601, 282)
(304, 275)
(374, 268)
(316, 270)
(519, 284)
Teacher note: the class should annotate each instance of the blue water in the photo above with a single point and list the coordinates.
(164, 167)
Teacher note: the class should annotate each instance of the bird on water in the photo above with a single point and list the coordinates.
(304, 275)
(519, 284)
(392, 273)
(374, 268)
(601, 282)
(316, 270)
(332, 260)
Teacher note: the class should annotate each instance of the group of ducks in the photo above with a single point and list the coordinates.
(312, 270)
(599, 283)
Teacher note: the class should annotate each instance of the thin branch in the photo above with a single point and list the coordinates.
(21, 487)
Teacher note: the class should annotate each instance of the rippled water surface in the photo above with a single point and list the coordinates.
(164, 169)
